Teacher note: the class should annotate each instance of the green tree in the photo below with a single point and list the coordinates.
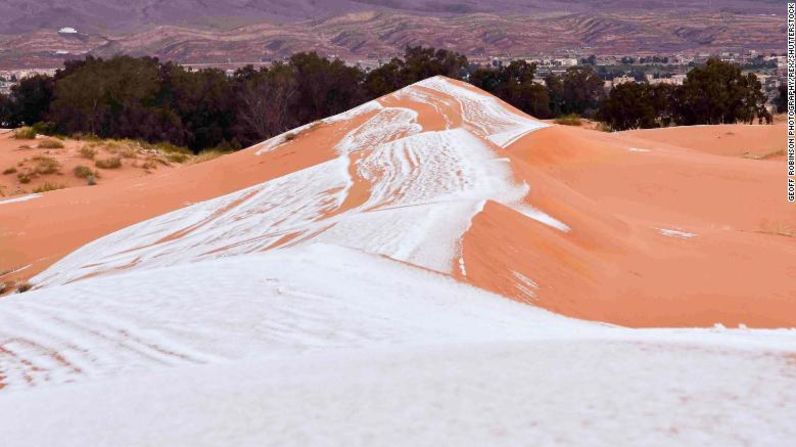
(637, 106)
(29, 101)
(264, 101)
(5, 111)
(385, 79)
(418, 63)
(781, 102)
(107, 98)
(515, 84)
(324, 87)
(718, 93)
(579, 91)
(422, 63)
(203, 102)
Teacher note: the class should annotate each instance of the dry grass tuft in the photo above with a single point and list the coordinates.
(109, 163)
(778, 229)
(569, 120)
(81, 171)
(88, 152)
(47, 186)
(766, 156)
(25, 133)
(46, 165)
(9, 171)
(177, 157)
(50, 143)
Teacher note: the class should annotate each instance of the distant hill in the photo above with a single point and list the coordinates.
(112, 16)
(198, 31)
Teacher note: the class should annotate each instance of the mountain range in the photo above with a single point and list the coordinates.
(191, 31)
(114, 16)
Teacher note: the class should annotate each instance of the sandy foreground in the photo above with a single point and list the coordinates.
(431, 267)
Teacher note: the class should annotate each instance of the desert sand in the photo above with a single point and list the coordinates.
(433, 267)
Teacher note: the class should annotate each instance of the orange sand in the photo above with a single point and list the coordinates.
(615, 192)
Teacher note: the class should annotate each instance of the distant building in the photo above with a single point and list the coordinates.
(619, 80)
(674, 80)
(67, 30)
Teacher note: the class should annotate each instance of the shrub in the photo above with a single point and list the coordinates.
(91, 180)
(569, 120)
(169, 148)
(290, 136)
(25, 133)
(128, 152)
(23, 177)
(83, 172)
(766, 156)
(46, 165)
(47, 186)
(124, 148)
(24, 287)
(177, 157)
(9, 171)
(109, 163)
(88, 152)
(44, 128)
(50, 143)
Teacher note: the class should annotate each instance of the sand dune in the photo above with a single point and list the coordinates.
(429, 256)
(610, 227)
(734, 140)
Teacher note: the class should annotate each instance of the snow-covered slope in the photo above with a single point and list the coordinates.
(331, 346)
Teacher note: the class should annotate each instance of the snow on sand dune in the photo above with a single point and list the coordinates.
(423, 186)
(288, 348)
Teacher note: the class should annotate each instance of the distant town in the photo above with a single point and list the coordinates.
(770, 68)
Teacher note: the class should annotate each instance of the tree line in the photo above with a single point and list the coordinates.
(144, 98)
(716, 93)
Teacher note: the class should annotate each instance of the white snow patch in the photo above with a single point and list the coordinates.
(462, 267)
(439, 104)
(668, 232)
(17, 270)
(542, 217)
(525, 285)
(485, 115)
(24, 198)
(387, 125)
(636, 149)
